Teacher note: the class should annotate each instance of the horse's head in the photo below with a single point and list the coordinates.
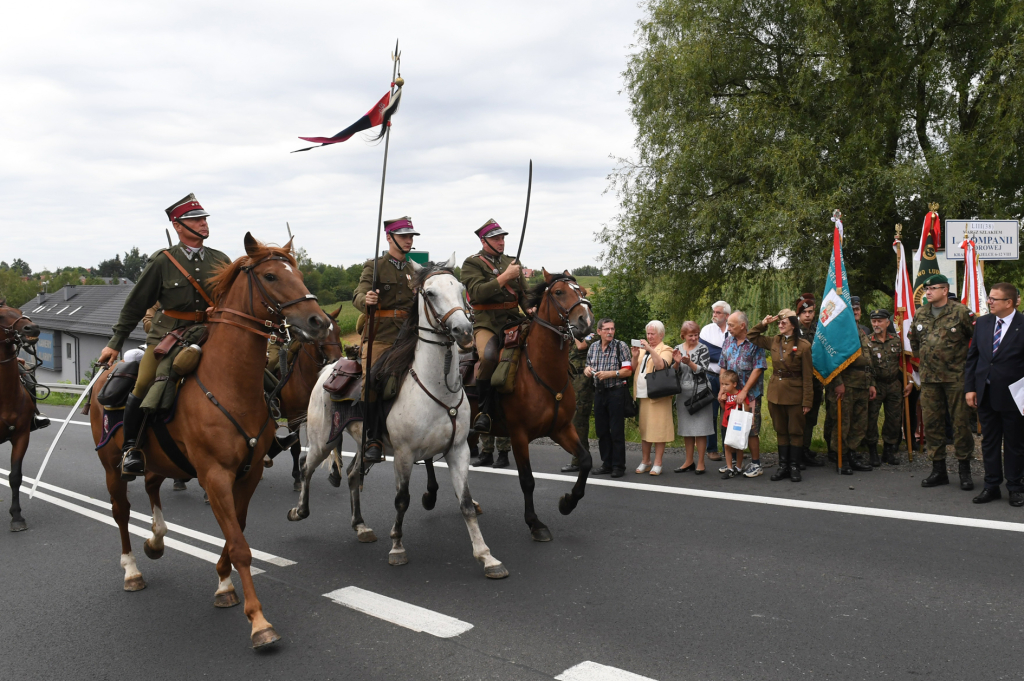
(330, 346)
(560, 301)
(15, 328)
(444, 301)
(272, 290)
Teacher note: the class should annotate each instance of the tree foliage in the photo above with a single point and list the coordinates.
(618, 299)
(757, 118)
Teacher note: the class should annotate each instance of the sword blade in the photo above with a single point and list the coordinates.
(526, 216)
(39, 475)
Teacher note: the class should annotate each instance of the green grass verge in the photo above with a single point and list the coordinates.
(346, 318)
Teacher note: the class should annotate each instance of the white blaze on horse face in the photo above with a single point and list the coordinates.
(287, 266)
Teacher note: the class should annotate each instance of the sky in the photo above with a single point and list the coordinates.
(113, 111)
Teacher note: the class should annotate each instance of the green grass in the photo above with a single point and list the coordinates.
(347, 318)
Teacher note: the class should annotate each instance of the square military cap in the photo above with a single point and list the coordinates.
(489, 229)
(186, 208)
(401, 225)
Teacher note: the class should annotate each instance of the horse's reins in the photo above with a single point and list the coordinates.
(564, 332)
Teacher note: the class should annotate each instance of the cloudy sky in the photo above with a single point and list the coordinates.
(114, 110)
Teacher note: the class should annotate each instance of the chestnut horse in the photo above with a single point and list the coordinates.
(304, 372)
(222, 424)
(543, 402)
(16, 408)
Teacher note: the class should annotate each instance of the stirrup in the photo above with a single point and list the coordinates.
(127, 473)
(376, 447)
(39, 422)
(286, 442)
(482, 424)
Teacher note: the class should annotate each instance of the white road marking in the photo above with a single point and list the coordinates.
(173, 527)
(400, 613)
(208, 556)
(592, 671)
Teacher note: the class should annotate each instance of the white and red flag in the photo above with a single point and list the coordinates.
(974, 293)
(904, 306)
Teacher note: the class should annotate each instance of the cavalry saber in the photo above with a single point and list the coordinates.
(39, 475)
(526, 215)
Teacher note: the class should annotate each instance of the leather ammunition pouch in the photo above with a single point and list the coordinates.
(119, 385)
(344, 382)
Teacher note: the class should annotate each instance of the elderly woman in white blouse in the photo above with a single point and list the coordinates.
(656, 425)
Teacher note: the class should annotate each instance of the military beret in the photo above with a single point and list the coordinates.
(880, 314)
(936, 280)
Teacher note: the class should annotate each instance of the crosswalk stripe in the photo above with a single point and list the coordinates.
(398, 612)
(592, 671)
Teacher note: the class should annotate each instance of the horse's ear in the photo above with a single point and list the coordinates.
(547, 275)
(416, 267)
(252, 246)
(450, 263)
(288, 246)
(334, 315)
(566, 273)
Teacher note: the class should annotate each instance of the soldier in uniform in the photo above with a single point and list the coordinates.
(394, 300)
(168, 280)
(497, 290)
(940, 336)
(583, 386)
(487, 444)
(855, 386)
(805, 310)
(855, 304)
(886, 349)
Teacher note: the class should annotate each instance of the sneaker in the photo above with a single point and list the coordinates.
(724, 469)
(753, 470)
(731, 473)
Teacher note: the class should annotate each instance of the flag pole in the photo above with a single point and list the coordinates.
(839, 426)
(900, 312)
(371, 310)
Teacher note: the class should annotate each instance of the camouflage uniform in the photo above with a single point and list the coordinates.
(885, 363)
(584, 389)
(857, 378)
(941, 342)
(488, 442)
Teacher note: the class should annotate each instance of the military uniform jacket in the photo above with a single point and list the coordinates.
(791, 367)
(481, 281)
(162, 282)
(578, 358)
(859, 374)
(942, 342)
(885, 358)
(395, 284)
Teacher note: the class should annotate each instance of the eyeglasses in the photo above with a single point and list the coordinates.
(996, 300)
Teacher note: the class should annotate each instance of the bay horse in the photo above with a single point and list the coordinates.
(16, 406)
(304, 372)
(222, 424)
(429, 416)
(543, 402)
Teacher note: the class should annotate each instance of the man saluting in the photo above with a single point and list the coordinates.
(178, 279)
(496, 289)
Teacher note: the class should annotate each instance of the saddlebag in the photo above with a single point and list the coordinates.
(343, 384)
(504, 377)
(119, 384)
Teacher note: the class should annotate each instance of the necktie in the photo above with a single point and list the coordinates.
(997, 335)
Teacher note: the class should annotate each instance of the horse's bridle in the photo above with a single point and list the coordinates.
(441, 328)
(567, 330)
(16, 339)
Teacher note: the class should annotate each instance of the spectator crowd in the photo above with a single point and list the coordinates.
(967, 369)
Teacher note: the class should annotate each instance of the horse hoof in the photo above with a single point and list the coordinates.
(334, 478)
(296, 514)
(541, 534)
(296, 486)
(398, 557)
(479, 511)
(264, 637)
(429, 500)
(18, 526)
(228, 599)
(366, 536)
(150, 552)
(136, 583)
(566, 504)
(496, 572)
(268, 462)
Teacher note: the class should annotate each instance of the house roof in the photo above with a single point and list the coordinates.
(87, 310)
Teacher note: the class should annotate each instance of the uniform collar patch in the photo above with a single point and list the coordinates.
(189, 252)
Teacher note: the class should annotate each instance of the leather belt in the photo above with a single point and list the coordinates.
(198, 316)
(788, 374)
(512, 304)
(401, 314)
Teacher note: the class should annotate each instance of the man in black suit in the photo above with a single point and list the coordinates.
(994, 361)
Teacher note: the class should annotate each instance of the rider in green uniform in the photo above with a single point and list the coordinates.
(181, 304)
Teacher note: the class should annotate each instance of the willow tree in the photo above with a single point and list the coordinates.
(756, 118)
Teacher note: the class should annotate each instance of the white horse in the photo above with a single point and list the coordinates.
(430, 415)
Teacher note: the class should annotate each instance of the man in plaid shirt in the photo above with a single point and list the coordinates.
(749, 361)
(609, 363)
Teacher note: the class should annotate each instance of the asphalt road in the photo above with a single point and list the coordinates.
(643, 577)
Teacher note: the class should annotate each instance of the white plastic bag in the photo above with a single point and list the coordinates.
(738, 430)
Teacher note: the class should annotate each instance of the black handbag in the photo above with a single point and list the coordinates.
(663, 382)
(700, 398)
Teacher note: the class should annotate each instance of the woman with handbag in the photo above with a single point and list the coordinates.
(696, 417)
(652, 357)
(790, 390)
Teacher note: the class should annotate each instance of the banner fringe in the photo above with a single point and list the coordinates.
(839, 369)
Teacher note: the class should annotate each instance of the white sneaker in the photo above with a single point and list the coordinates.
(753, 470)
(724, 469)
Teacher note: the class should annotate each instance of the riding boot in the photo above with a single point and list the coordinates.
(502, 461)
(485, 459)
(133, 460)
(794, 465)
(966, 482)
(283, 443)
(782, 470)
(485, 396)
(938, 475)
(873, 456)
(374, 452)
(39, 421)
